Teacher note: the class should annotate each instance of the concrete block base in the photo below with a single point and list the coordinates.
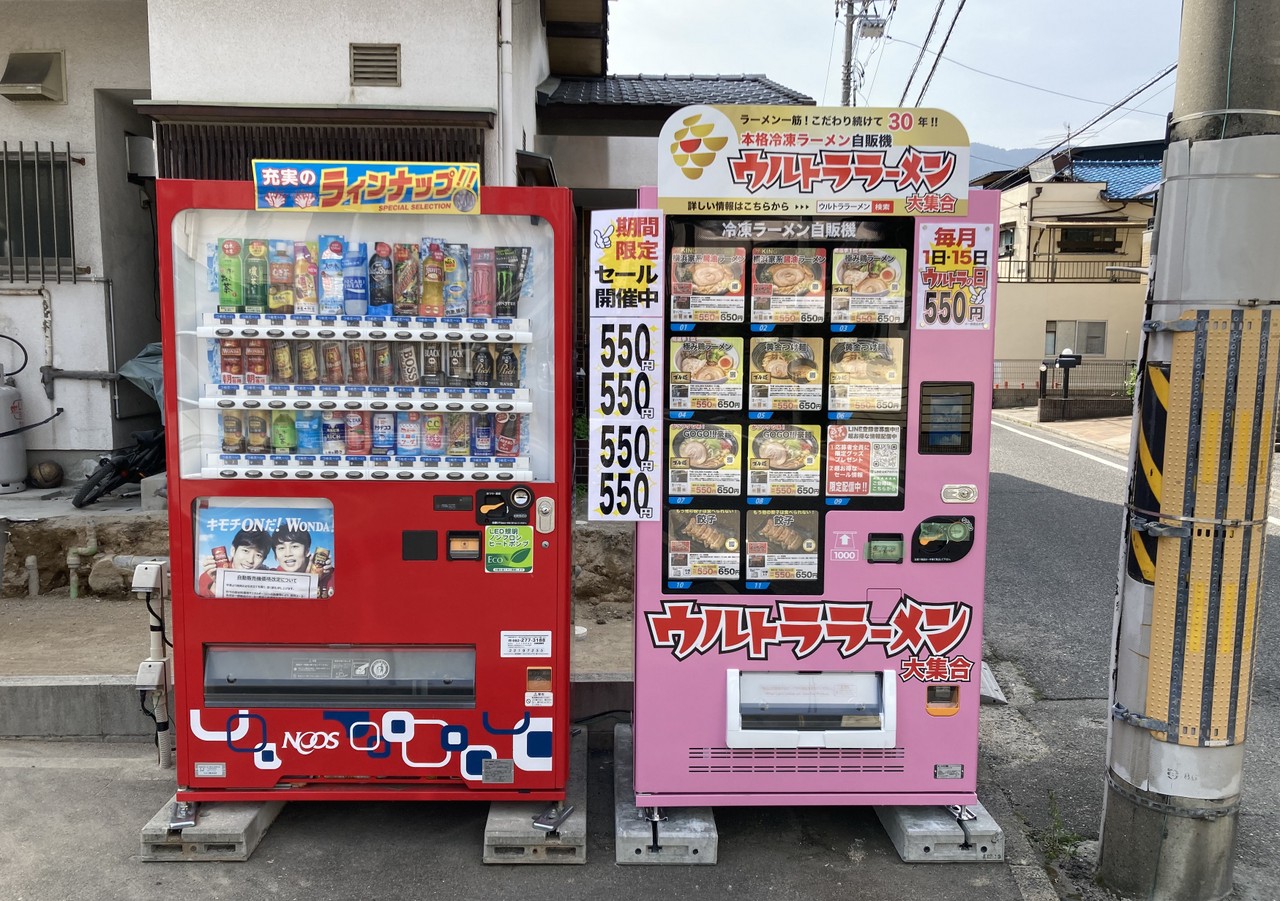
(933, 835)
(511, 837)
(686, 835)
(223, 831)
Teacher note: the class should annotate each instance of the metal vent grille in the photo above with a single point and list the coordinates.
(376, 65)
(226, 151)
(797, 760)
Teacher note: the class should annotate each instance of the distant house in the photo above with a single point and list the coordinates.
(1071, 255)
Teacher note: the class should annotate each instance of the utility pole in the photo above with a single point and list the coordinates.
(866, 22)
(1190, 579)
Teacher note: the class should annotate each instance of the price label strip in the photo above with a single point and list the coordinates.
(625, 366)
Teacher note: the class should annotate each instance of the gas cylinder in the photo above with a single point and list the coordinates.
(13, 440)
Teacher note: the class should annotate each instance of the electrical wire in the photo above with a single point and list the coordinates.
(1003, 181)
(928, 81)
(24, 354)
(831, 52)
(937, 11)
(956, 62)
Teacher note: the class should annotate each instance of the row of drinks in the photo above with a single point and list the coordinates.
(453, 364)
(362, 433)
(333, 276)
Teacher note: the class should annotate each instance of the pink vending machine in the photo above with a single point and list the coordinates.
(809, 601)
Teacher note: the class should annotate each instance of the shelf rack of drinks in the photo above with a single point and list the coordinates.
(313, 397)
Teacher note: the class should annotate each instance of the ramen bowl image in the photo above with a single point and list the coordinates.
(707, 363)
(867, 274)
(705, 447)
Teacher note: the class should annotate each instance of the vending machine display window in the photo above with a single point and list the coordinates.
(347, 346)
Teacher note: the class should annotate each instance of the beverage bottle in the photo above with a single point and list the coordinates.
(280, 277)
(384, 372)
(257, 276)
(309, 432)
(334, 373)
(407, 364)
(220, 558)
(284, 432)
(329, 274)
(456, 366)
(481, 435)
(306, 270)
(432, 303)
(384, 433)
(483, 285)
(357, 363)
(381, 284)
(231, 359)
(457, 262)
(233, 432)
(333, 433)
(257, 369)
(433, 436)
(282, 362)
(257, 431)
(458, 434)
(355, 279)
(408, 434)
(308, 365)
(507, 368)
(432, 368)
(359, 440)
(481, 366)
(230, 276)
(406, 286)
(507, 440)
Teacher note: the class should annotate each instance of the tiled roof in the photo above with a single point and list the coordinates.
(1125, 179)
(675, 91)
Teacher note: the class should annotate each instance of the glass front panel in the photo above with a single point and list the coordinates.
(379, 346)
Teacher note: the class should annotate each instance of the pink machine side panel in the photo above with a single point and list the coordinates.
(919, 622)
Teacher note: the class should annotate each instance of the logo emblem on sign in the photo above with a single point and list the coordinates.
(696, 145)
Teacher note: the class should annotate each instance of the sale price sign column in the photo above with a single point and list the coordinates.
(625, 365)
(954, 275)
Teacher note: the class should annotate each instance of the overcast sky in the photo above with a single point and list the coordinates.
(1095, 50)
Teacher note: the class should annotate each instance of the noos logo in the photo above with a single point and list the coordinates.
(306, 742)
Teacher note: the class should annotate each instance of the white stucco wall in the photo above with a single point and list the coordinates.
(105, 44)
(297, 52)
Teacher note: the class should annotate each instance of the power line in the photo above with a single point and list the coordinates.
(999, 183)
(937, 11)
(929, 80)
(956, 62)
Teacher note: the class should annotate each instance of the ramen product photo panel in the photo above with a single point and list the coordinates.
(784, 460)
(708, 284)
(789, 284)
(704, 544)
(786, 374)
(868, 285)
(782, 545)
(865, 374)
(704, 460)
(705, 373)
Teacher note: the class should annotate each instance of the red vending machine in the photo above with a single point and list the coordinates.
(368, 403)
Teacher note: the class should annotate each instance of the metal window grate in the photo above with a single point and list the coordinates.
(376, 65)
(226, 150)
(37, 229)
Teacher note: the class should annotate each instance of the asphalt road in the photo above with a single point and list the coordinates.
(1055, 543)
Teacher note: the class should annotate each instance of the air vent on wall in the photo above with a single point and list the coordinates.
(376, 65)
(34, 75)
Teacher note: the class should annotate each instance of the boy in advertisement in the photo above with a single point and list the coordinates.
(249, 549)
(292, 548)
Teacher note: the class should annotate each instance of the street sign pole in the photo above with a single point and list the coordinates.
(1191, 569)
